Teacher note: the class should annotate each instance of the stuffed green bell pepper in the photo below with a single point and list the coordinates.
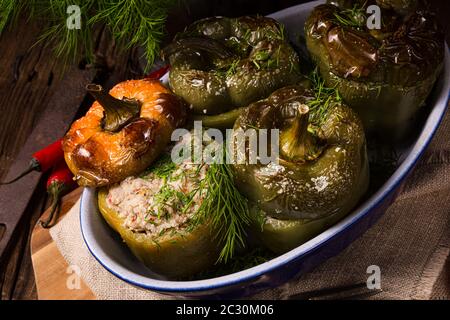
(151, 215)
(176, 217)
(385, 74)
(321, 172)
(219, 65)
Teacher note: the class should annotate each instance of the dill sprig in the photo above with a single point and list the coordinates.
(130, 22)
(9, 10)
(278, 34)
(224, 208)
(162, 168)
(68, 44)
(229, 69)
(324, 98)
(353, 17)
(134, 22)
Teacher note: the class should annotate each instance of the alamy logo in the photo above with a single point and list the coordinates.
(73, 21)
(249, 146)
(374, 280)
(374, 20)
(73, 281)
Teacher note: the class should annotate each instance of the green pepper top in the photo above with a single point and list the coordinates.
(407, 48)
(384, 74)
(218, 64)
(322, 156)
(402, 7)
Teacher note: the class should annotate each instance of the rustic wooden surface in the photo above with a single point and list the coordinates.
(29, 79)
(50, 268)
(32, 93)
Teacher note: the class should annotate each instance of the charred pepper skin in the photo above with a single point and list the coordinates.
(386, 74)
(123, 132)
(219, 64)
(321, 175)
(175, 256)
(326, 173)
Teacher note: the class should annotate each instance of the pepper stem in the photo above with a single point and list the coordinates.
(56, 191)
(34, 166)
(297, 144)
(118, 113)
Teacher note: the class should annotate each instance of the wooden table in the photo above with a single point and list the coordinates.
(32, 90)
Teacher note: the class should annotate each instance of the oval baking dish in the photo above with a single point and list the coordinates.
(113, 254)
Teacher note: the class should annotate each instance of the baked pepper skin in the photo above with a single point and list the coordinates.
(322, 169)
(402, 7)
(219, 64)
(386, 74)
(281, 236)
(177, 256)
(123, 132)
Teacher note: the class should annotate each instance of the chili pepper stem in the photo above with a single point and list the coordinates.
(296, 142)
(34, 166)
(118, 113)
(56, 189)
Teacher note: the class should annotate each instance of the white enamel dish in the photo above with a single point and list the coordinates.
(112, 253)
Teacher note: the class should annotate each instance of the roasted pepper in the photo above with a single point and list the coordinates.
(179, 218)
(384, 74)
(174, 255)
(322, 169)
(123, 131)
(220, 64)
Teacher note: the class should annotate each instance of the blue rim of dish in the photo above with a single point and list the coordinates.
(312, 245)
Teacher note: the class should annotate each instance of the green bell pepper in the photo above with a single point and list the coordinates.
(321, 174)
(283, 235)
(385, 74)
(220, 64)
(322, 170)
(197, 249)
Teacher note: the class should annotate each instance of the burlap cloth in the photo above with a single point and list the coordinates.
(410, 243)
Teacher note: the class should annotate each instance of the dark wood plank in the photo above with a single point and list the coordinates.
(36, 109)
(17, 275)
(50, 117)
(52, 125)
(29, 78)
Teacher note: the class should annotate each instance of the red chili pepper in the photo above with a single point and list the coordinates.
(158, 73)
(59, 183)
(43, 160)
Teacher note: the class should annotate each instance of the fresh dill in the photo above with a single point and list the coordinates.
(9, 10)
(162, 199)
(229, 69)
(263, 59)
(224, 208)
(247, 36)
(135, 23)
(278, 34)
(324, 98)
(351, 17)
(233, 68)
(130, 23)
(164, 167)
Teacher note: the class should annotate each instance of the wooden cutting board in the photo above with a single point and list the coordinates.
(50, 269)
